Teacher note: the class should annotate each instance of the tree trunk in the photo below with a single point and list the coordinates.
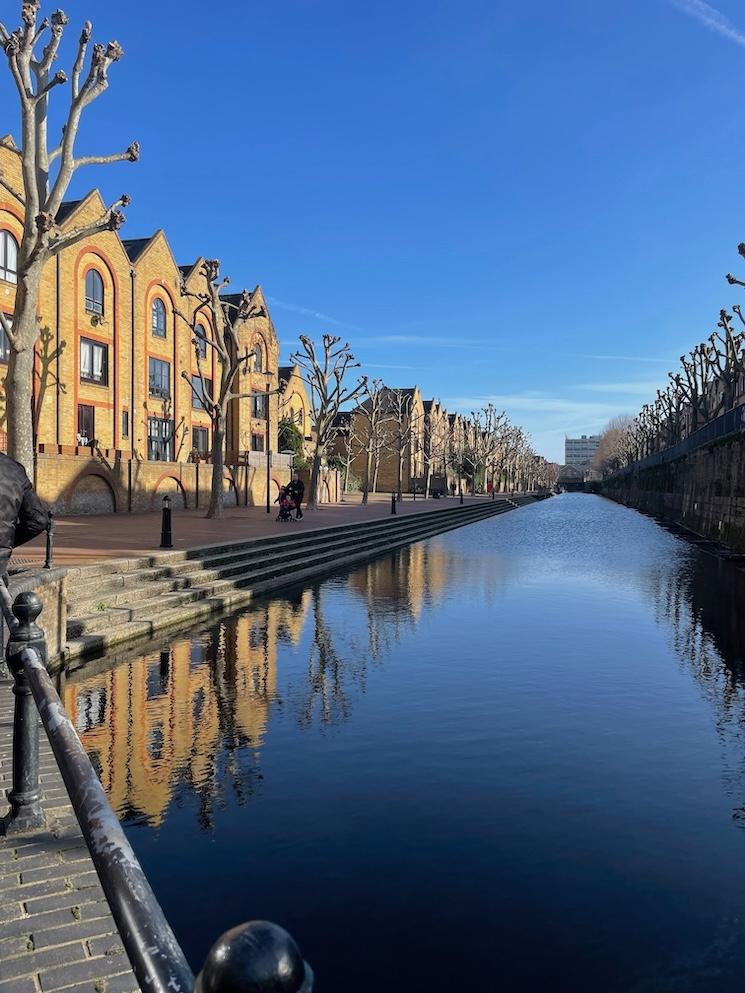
(217, 494)
(400, 472)
(19, 383)
(368, 471)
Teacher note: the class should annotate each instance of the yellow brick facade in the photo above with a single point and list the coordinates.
(109, 368)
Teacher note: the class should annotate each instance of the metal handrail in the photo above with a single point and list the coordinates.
(730, 422)
(258, 955)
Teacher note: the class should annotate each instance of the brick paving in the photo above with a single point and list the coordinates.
(56, 929)
(80, 540)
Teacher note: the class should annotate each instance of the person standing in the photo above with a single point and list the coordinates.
(298, 492)
(22, 514)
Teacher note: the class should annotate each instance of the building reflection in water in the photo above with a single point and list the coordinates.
(162, 722)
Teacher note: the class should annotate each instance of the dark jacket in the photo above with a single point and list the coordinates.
(298, 490)
(22, 514)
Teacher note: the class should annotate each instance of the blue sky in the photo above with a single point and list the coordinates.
(531, 202)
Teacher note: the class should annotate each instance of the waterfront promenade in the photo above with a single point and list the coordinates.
(83, 540)
(56, 929)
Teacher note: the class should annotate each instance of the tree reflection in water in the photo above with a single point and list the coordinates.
(190, 718)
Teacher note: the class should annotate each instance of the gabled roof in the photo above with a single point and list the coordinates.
(285, 371)
(134, 247)
(67, 207)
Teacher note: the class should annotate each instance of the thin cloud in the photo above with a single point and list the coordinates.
(711, 18)
(315, 314)
(426, 339)
(627, 358)
(641, 388)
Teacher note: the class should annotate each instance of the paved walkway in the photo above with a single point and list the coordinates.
(56, 929)
(87, 539)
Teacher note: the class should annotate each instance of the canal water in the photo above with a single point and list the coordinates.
(507, 758)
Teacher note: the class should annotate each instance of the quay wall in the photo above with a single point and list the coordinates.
(703, 491)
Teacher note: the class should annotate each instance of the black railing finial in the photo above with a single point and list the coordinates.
(25, 795)
(258, 957)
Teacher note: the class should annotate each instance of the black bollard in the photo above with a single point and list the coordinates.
(393, 503)
(25, 795)
(49, 559)
(166, 536)
(259, 957)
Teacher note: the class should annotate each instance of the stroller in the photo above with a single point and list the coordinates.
(286, 505)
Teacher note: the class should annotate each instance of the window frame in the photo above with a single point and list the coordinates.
(258, 442)
(89, 407)
(258, 353)
(158, 307)
(160, 443)
(8, 275)
(202, 338)
(4, 345)
(94, 346)
(196, 401)
(199, 429)
(159, 392)
(93, 306)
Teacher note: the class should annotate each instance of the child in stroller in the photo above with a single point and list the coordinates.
(286, 504)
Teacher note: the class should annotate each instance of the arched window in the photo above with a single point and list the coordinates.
(258, 358)
(94, 292)
(8, 257)
(158, 316)
(201, 339)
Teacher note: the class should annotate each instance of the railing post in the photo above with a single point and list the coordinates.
(48, 561)
(25, 795)
(259, 957)
(166, 535)
(393, 503)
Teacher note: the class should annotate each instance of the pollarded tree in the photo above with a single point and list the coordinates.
(46, 176)
(325, 372)
(229, 317)
(374, 429)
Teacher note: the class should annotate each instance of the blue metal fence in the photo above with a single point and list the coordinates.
(730, 422)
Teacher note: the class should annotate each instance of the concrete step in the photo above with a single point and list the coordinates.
(236, 596)
(119, 588)
(196, 605)
(155, 598)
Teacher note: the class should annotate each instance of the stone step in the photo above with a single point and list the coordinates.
(106, 571)
(236, 595)
(89, 592)
(156, 598)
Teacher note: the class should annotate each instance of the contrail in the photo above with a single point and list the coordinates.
(711, 18)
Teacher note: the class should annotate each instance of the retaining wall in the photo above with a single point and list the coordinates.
(703, 491)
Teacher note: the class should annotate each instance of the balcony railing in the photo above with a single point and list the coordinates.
(258, 956)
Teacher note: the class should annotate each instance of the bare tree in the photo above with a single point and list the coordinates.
(47, 174)
(610, 453)
(374, 429)
(404, 427)
(229, 317)
(436, 437)
(324, 372)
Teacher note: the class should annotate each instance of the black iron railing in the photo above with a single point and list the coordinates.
(259, 956)
(731, 422)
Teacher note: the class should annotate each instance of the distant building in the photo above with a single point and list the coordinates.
(580, 451)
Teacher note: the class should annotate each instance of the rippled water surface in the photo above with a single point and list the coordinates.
(507, 758)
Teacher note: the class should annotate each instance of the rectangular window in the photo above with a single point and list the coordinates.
(125, 424)
(258, 405)
(4, 345)
(196, 401)
(159, 378)
(257, 442)
(86, 424)
(200, 440)
(94, 362)
(159, 439)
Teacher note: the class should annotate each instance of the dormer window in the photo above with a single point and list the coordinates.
(158, 318)
(94, 293)
(8, 257)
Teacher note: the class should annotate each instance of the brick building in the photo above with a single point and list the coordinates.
(116, 424)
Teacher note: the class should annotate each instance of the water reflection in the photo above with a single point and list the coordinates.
(160, 722)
